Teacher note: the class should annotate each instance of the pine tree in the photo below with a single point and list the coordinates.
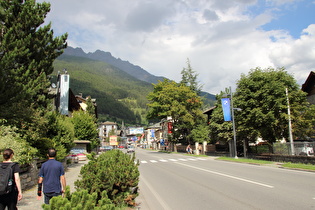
(114, 173)
(27, 52)
(189, 78)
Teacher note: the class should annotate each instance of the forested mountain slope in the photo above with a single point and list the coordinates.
(120, 88)
(129, 68)
(119, 96)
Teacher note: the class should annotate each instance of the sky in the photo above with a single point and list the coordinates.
(222, 39)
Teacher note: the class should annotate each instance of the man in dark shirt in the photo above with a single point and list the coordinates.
(52, 176)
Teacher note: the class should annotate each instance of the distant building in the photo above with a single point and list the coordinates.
(64, 100)
(83, 102)
(309, 87)
(104, 129)
(208, 112)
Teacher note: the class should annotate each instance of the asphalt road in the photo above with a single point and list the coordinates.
(174, 181)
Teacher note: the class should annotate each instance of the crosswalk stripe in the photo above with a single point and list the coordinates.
(172, 160)
(182, 159)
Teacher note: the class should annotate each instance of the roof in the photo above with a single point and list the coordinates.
(81, 141)
(210, 110)
(309, 83)
(108, 123)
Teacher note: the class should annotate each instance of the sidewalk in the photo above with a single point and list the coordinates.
(29, 200)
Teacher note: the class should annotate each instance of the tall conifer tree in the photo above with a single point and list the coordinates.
(27, 53)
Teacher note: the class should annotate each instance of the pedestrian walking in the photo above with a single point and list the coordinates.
(10, 179)
(51, 178)
(188, 149)
(200, 149)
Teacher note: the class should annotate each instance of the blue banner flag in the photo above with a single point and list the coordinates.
(226, 109)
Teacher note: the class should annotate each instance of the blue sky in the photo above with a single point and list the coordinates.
(292, 17)
(222, 38)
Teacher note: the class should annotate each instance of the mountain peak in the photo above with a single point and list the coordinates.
(126, 66)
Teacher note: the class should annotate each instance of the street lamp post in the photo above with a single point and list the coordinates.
(233, 123)
(228, 114)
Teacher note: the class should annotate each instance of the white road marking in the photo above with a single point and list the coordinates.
(182, 159)
(229, 176)
(156, 195)
(174, 160)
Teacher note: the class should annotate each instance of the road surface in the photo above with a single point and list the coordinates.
(176, 181)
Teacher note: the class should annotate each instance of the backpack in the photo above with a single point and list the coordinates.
(6, 178)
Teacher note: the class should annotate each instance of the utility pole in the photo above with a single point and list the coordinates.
(290, 127)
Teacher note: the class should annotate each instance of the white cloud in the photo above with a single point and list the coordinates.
(298, 56)
(222, 39)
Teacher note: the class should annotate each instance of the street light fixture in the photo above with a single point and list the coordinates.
(233, 120)
(233, 123)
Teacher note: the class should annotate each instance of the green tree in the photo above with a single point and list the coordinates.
(189, 78)
(200, 133)
(85, 128)
(178, 101)
(60, 134)
(262, 97)
(90, 107)
(27, 53)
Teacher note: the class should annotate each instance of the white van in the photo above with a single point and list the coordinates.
(304, 148)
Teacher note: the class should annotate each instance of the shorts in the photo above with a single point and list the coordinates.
(49, 196)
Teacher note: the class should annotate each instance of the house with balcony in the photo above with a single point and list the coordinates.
(104, 129)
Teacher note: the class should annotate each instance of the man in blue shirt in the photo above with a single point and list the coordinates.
(52, 176)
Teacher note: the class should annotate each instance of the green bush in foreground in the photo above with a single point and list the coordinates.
(80, 200)
(113, 172)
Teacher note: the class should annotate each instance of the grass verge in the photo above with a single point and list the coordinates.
(244, 160)
(299, 166)
(309, 167)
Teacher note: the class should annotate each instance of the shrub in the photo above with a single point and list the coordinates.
(113, 172)
(23, 152)
(80, 200)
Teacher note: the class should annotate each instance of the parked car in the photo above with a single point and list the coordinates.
(130, 148)
(81, 157)
(106, 148)
(121, 146)
(73, 158)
